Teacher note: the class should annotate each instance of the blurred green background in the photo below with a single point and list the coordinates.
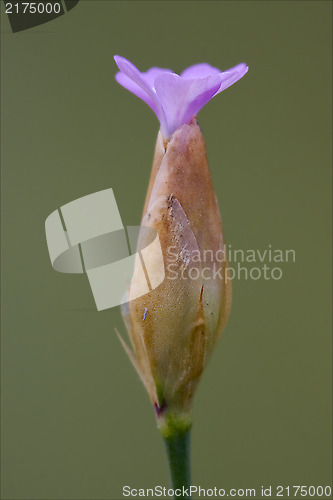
(76, 421)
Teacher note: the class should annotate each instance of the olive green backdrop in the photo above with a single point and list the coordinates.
(76, 421)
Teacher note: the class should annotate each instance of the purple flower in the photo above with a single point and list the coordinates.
(175, 99)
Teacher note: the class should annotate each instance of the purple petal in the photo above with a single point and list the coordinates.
(182, 98)
(200, 71)
(133, 87)
(146, 93)
(240, 68)
(232, 76)
(150, 75)
(228, 77)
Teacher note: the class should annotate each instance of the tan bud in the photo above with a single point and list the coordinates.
(174, 328)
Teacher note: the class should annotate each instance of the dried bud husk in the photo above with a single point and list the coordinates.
(174, 328)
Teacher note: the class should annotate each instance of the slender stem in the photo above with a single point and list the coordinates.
(178, 451)
(175, 427)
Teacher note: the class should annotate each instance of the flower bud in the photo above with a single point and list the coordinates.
(174, 328)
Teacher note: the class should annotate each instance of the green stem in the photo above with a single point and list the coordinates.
(178, 451)
(175, 430)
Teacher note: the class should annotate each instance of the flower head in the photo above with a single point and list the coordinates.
(175, 99)
(174, 328)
